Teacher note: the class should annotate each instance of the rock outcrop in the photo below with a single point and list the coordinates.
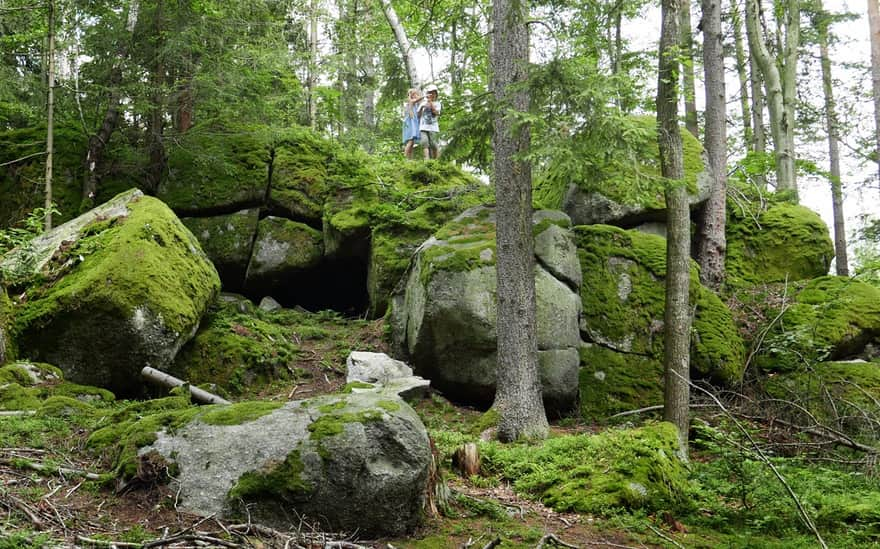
(623, 296)
(121, 287)
(444, 321)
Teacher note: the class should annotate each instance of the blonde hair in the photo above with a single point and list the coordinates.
(409, 105)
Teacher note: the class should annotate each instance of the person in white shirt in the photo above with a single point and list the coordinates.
(429, 112)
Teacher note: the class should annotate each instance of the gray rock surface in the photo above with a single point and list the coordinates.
(444, 322)
(227, 240)
(381, 369)
(353, 462)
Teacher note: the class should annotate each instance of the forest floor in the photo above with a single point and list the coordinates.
(50, 495)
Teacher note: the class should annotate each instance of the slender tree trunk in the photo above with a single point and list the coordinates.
(741, 72)
(688, 79)
(712, 241)
(874, 26)
(98, 141)
(156, 121)
(518, 395)
(312, 80)
(821, 23)
(402, 42)
(50, 116)
(780, 87)
(677, 317)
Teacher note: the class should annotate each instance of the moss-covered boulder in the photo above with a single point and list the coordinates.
(351, 462)
(623, 296)
(634, 195)
(785, 242)
(227, 241)
(119, 288)
(599, 474)
(444, 320)
(828, 318)
(840, 395)
(215, 169)
(282, 250)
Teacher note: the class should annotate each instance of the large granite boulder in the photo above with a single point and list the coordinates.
(785, 242)
(121, 287)
(352, 462)
(228, 240)
(623, 296)
(444, 320)
(282, 250)
(828, 318)
(634, 194)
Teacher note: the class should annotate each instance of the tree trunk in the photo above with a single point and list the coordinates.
(821, 24)
(779, 86)
(741, 72)
(874, 26)
(156, 121)
(312, 79)
(712, 240)
(402, 42)
(98, 142)
(518, 394)
(50, 114)
(677, 317)
(688, 79)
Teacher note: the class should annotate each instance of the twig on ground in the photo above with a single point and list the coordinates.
(665, 537)
(105, 543)
(16, 503)
(190, 537)
(494, 543)
(808, 522)
(555, 540)
(39, 467)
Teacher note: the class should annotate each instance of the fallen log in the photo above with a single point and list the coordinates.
(169, 381)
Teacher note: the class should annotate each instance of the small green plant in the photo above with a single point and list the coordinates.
(22, 237)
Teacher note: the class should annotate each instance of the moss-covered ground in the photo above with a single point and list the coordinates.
(586, 485)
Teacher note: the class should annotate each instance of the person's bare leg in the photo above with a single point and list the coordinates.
(408, 149)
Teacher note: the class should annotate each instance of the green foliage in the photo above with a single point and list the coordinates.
(282, 482)
(20, 237)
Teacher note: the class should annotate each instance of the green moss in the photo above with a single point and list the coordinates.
(388, 405)
(616, 469)
(14, 373)
(785, 242)
(613, 382)
(217, 167)
(238, 413)
(122, 265)
(332, 424)
(489, 419)
(332, 407)
(85, 393)
(281, 482)
(350, 386)
(65, 406)
(623, 296)
(830, 318)
(15, 397)
(238, 351)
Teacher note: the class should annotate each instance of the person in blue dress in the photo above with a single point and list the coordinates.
(411, 121)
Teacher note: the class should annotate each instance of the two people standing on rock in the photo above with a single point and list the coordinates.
(420, 123)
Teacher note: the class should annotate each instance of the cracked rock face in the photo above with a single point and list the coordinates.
(444, 320)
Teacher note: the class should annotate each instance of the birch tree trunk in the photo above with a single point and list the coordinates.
(402, 42)
(779, 86)
(712, 240)
(677, 315)
(821, 23)
(518, 397)
(741, 72)
(312, 78)
(874, 27)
